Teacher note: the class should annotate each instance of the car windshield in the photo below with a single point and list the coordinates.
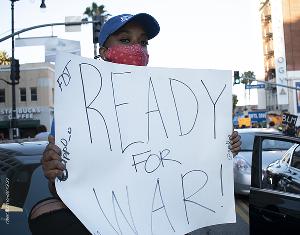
(272, 145)
(268, 145)
(247, 141)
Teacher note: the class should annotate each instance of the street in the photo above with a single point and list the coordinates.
(241, 227)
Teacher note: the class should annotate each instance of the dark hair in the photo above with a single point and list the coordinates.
(41, 128)
(271, 123)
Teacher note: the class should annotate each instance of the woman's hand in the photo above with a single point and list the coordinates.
(51, 161)
(235, 143)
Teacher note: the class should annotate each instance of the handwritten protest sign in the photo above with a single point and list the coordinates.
(145, 149)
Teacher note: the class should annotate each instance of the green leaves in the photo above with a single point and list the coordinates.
(248, 77)
(4, 59)
(95, 10)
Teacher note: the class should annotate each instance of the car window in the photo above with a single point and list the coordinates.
(16, 208)
(247, 141)
(286, 158)
(22, 184)
(283, 174)
(268, 144)
(273, 145)
(296, 158)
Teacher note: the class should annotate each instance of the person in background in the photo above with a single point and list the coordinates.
(123, 39)
(272, 125)
(42, 133)
(290, 130)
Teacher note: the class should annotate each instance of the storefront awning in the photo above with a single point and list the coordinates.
(28, 123)
(4, 124)
(21, 124)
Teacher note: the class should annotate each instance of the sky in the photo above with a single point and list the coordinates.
(203, 34)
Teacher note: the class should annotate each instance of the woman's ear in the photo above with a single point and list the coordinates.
(102, 52)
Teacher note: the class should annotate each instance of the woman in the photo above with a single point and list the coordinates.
(123, 39)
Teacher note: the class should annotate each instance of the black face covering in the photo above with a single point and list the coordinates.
(58, 222)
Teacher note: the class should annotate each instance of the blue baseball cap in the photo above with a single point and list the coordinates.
(147, 21)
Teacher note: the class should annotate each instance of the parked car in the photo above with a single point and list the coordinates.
(22, 184)
(284, 174)
(272, 150)
(274, 200)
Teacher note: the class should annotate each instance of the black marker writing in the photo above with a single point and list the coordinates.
(100, 207)
(221, 179)
(88, 104)
(187, 198)
(160, 207)
(64, 78)
(117, 116)
(214, 104)
(229, 153)
(116, 205)
(152, 161)
(65, 155)
(115, 201)
(154, 110)
(177, 113)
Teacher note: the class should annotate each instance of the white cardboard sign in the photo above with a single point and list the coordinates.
(146, 149)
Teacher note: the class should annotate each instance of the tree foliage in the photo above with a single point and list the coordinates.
(95, 10)
(234, 102)
(248, 77)
(4, 59)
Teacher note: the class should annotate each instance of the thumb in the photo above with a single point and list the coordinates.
(51, 139)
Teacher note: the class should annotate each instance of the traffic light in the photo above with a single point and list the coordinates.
(15, 70)
(236, 77)
(96, 28)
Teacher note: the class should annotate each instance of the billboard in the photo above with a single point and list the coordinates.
(52, 45)
(279, 51)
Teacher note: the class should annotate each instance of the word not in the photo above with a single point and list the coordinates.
(65, 155)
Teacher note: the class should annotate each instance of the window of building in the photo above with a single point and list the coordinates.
(22, 94)
(33, 93)
(2, 95)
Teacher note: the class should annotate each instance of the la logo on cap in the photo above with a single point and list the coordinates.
(125, 18)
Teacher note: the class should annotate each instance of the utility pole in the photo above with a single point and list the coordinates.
(14, 131)
(15, 74)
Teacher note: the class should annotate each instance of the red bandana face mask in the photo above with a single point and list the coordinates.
(127, 54)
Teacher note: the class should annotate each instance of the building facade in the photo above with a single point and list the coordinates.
(280, 20)
(34, 98)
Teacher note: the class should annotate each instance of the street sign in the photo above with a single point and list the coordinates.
(256, 86)
(289, 119)
(258, 116)
(72, 28)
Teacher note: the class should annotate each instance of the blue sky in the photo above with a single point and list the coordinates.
(214, 34)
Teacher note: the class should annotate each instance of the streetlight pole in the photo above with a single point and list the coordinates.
(14, 74)
(14, 131)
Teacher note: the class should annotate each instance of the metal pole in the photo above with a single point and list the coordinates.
(14, 130)
(46, 25)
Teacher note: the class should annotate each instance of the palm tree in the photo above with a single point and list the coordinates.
(4, 59)
(96, 13)
(247, 78)
(234, 102)
(95, 10)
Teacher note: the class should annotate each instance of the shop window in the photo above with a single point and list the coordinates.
(2, 95)
(33, 93)
(22, 94)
